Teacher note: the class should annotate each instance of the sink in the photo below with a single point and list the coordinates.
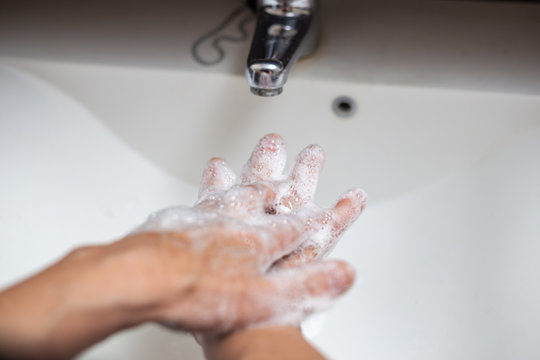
(67, 181)
(180, 119)
(98, 128)
(446, 252)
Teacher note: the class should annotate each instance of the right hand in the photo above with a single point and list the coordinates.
(257, 245)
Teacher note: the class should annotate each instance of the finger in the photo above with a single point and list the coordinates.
(289, 296)
(305, 254)
(304, 177)
(324, 279)
(346, 211)
(267, 160)
(283, 235)
(284, 297)
(217, 176)
(336, 221)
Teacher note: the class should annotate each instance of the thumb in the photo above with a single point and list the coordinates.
(301, 291)
(285, 297)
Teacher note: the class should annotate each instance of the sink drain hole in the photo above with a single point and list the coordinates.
(344, 106)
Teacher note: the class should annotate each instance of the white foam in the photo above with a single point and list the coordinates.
(270, 204)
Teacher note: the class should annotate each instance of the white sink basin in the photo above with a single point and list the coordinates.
(446, 251)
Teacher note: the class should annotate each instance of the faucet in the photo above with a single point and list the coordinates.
(286, 30)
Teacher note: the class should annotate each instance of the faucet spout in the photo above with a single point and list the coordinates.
(285, 32)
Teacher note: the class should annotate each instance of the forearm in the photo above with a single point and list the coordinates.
(51, 315)
(279, 342)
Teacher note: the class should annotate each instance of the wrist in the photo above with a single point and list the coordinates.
(275, 342)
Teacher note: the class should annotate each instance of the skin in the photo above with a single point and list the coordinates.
(269, 343)
(241, 269)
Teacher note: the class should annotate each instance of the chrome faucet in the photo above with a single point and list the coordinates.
(286, 30)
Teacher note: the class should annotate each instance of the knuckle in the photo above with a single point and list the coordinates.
(82, 252)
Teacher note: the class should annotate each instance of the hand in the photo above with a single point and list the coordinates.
(249, 240)
(243, 255)
(294, 194)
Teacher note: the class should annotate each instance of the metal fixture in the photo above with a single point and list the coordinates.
(286, 30)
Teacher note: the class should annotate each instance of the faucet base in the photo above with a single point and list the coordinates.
(266, 92)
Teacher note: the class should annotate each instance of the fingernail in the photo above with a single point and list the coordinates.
(272, 142)
(343, 276)
(358, 197)
(316, 151)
